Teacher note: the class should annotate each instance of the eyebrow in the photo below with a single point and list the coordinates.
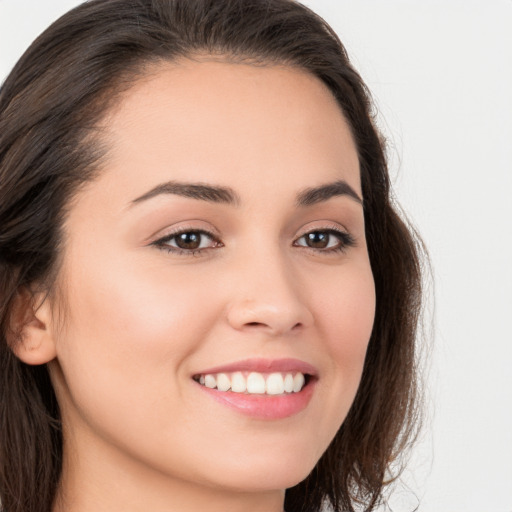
(226, 195)
(311, 196)
(202, 192)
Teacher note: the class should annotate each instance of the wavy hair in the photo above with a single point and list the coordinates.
(51, 103)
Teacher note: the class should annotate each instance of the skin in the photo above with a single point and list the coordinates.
(140, 321)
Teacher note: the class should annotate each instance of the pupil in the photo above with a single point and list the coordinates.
(318, 239)
(188, 240)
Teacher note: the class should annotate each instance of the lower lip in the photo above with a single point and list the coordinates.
(265, 407)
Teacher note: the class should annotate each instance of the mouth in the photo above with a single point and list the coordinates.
(255, 383)
(262, 389)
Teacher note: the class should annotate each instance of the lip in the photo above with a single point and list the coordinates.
(264, 407)
(264, 366)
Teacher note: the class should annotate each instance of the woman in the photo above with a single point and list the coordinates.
(208, 299)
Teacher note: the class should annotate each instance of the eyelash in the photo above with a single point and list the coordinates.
(346, 240)
(163, 243)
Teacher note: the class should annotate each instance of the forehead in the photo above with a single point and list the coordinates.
(214, 121)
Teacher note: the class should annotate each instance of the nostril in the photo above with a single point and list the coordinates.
(276, 317)
(297, 326)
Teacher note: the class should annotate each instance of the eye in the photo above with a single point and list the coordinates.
(188, 241)
(326, 240)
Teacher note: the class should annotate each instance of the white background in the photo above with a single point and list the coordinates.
(441, 75)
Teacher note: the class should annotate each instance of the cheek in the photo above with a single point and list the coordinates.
(346, 312)
(128, 333)
(136, 311)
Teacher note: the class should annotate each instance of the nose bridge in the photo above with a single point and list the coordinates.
(266, 294)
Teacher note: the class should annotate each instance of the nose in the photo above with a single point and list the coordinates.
(267, 297)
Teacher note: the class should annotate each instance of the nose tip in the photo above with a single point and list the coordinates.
(275, 315)
(266, 293)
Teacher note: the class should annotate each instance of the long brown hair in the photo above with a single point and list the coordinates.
(49, 107)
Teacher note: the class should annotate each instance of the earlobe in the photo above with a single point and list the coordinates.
(30, 335)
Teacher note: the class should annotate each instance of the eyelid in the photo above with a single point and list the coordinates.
(161, 240)
(346, 239)
(322, 226)
(198, 226)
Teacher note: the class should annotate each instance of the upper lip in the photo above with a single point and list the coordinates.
(261, 365)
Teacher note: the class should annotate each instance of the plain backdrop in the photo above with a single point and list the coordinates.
(441, 76)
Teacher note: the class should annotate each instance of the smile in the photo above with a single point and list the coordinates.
(254, 383)
(261, 388)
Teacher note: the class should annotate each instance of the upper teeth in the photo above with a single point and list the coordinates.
(254, 382)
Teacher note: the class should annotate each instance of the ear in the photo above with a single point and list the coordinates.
(30, 335)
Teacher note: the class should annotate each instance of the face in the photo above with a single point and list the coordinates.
(222, 246)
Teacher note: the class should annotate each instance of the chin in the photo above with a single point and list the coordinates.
(272, 475)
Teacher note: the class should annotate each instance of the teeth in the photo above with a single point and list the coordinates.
(223, 382)
(254, 383)
(210, 381)
(238, 383)
(275, 384)
(298, 382)
(288, 383)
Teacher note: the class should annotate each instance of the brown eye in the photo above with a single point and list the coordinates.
(326, 240)
(188, 241)
(317, 239)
